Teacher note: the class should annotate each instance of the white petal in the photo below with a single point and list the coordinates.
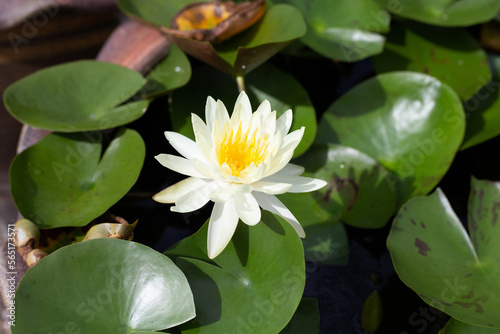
(195, 199)
(284, 122)
(221, 227)
(176, 191)
(247, 208)
(292, 169)
(210, 107)
(264, 109)
(299, 184)
(185, 146)
(273, 204)
(272, 188)
(222, 194)
(178, 164)
(221, 116)
(293, 139)
(203, 135)
(270, 124)
(242, 109)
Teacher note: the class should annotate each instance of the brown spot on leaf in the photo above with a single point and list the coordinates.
(443, 302)
(494, 209)
(422, 225)
(413, 221)
(422, 246)
(469, 295)
(476, 304)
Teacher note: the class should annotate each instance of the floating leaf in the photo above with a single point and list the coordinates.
(306, 318)
(483, 110)
(359, 191)
(64, 181)
(79, 96)
(411, 123)
(434, 256)
(449, 13)
(102, 286)
(457, 327)
(346, 30)
(280, 25)
(173, 72)
(450, 55)
(251, 288)
(267, 82)
(215, 21)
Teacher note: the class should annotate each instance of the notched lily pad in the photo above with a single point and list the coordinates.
(79, 96)
(250, 288)
(215, 21)
(64, 181)
(410, 123)
(452, 271)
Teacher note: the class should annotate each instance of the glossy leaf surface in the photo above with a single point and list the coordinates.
(451, 270)
(171, 73)
(256, 283)
(411, 123)
(451, 55)
(345, 30)
(79, 96)
(102, 286)
(64, 181)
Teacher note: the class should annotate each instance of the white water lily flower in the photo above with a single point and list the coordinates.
(240, 163)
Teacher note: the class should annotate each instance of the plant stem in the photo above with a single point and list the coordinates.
(240, 80)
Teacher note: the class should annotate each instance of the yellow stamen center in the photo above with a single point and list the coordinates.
(240, 149)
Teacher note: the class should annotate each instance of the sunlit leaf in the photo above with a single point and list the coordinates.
(102, 286)
(450, 55)
(411, 123)
(451, 270)
(79, 96)
(249, 287)
(346, 30)
(64, 181)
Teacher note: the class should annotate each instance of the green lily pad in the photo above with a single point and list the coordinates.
(358, 191)
(64, 181)
(411, 123)
(483, 110)
(171, 73)
(102, 286)
(457, 327)
(249, 287)
(450, 55)
(306, 318)
(448, 13)
(267, 82)
(280, 25)
(345, 30)
(79, 96)
(449, 269)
